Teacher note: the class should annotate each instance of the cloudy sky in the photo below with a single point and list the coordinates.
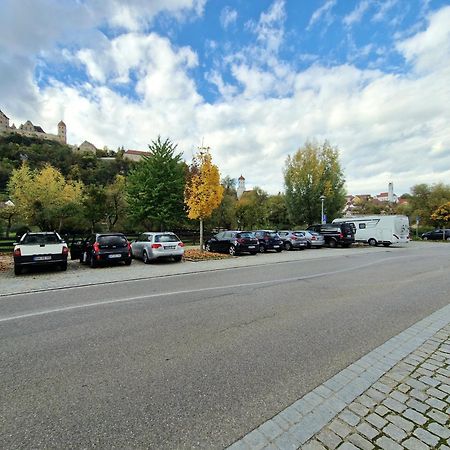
(253, 80)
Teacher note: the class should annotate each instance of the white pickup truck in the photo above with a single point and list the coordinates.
(37, 249)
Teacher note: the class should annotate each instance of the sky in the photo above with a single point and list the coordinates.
(251, 79)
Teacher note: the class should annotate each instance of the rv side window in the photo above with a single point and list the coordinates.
(362, 226)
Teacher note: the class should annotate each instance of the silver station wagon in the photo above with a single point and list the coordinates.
(154, 245)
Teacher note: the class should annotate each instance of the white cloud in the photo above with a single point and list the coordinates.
(228, 17)
(357, 14)
(322, 13)
(384, 8)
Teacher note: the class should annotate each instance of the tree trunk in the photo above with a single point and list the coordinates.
(201, 235)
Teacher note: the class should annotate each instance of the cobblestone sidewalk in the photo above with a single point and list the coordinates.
(396, 397)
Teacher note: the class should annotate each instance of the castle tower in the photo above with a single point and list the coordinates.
(391, 192)
(62, 132)
(241, 187)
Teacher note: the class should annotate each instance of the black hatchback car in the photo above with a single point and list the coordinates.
(436, 235)
(105, 248)
(233, 243)
(335, 234)
(269, 240)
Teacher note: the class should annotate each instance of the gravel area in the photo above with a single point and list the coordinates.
(79, 275)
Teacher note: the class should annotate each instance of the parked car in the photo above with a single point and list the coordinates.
(151, 246)
(40, 249)
(269, 240)
(105, 248)
(293, 240)
(436, 235)
(335, 234)
(233, 243)
(314, 239)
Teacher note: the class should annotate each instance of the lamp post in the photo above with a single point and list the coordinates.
(322, 198)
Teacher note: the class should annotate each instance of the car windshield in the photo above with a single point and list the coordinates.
(166, 238)
(273, 235)
(41, 239)
(119, 241)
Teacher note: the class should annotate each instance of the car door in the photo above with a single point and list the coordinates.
(136, 246)
(214, 242)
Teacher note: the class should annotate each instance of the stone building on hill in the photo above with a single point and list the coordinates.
(30, 130)
(135, 155)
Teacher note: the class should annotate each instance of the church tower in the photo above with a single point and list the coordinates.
(241, 187)
(62, 132)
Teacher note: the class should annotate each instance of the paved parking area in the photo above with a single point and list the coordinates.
(81, 275)
(395, 397)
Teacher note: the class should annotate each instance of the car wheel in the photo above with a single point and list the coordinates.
(448, 239)
(177, 258)
(145, 257)
(232, 250)
(64, 266)
(372, 242)
(262, 248)
(425, 238)
(17, 270)
(207, 247)
(332, 243)
(128, 261)
(92, 262)
(308, 245)
(287, 245)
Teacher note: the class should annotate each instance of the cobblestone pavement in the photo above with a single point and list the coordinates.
(395, 397)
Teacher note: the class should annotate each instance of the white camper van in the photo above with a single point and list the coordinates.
(379, 229)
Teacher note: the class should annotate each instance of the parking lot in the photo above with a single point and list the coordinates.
(80, 275)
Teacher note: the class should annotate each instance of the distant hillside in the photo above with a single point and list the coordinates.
(87, 167)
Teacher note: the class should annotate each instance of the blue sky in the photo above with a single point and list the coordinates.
(253, 79)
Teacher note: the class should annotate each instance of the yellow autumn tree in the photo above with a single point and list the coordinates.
(44, 197)
(203, 192)
(441, 216)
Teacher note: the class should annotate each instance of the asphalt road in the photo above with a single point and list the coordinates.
(198, 360)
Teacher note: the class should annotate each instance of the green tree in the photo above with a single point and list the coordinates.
(155, 188)
(277, 213)
(252, 209)
(441, 216)
(94, 204)
(225, 215)
(203, 192)
(7, 213)
(314, 170)
(44, 197)
(116, 204)
(425, 199)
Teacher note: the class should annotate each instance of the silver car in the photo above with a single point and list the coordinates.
(293, 239)
(314, 239)
(153, 245)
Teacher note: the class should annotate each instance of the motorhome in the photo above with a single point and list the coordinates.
(379, 229)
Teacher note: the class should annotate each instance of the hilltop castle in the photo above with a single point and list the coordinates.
(30, 130)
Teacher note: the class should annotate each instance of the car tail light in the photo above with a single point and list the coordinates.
(17, 252)
(294, 238)
(156, 245)
(180, 244)
(266, 238)
(240, 240)
(341, 235)
(96, 247)
(65, 251)
(313, 238)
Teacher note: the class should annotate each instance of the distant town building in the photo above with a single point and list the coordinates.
(135, 155)
(241, 187)
(87, 147)
(30, 130)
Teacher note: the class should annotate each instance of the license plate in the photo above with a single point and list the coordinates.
(169, 247)
(115, 255)
(275, 246)
(251, 246)
(42, 258)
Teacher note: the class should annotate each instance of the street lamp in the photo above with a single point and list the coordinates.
(322, 198)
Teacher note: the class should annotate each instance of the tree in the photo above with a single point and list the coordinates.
(442, 216)
(277, 213)
(155, 188)
(94, 204)
(43, 197)
(116, 203)
(7, 211)
(203, 192)
(225, 215)
(425, 199)
(252, 210)
(314, 170)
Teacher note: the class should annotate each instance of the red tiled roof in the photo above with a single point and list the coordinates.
(137, 152)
